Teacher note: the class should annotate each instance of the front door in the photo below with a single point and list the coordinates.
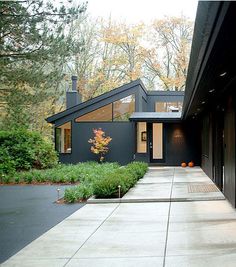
(156, 142)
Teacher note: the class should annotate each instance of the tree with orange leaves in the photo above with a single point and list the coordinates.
(100, 143)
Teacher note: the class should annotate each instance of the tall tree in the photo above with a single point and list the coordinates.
(167, 58)
(35, 42)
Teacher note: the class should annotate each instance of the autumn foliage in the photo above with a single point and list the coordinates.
(100, 143)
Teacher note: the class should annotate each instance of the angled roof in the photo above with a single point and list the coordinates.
(94, 100)
(157, 116)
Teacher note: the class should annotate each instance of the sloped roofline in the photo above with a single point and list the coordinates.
(97, 99)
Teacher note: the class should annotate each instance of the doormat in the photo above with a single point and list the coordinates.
(202, 188)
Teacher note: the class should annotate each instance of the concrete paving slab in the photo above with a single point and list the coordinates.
(155, 180)
(123, 244)
(204, 207)
(193, 179)
(118, 262)
(201, 223)
(216, 260)
(201, 242)
(142, 210)
(53, 246)
(35, 262)
(149, 191)
(143, 217)
(117, 225)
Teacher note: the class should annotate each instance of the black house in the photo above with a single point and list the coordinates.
(143, 125)
(168, 127)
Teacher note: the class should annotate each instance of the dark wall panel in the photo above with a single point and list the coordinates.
(182, 143)
(229, 152)
(121, 148)
(206, 144)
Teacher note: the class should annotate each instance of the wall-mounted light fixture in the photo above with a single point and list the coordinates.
(223, 74)
(203, 102)
(212, 90)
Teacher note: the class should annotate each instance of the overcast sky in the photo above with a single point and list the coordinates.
(134, 11)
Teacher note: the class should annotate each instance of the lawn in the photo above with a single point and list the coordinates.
(90, 178)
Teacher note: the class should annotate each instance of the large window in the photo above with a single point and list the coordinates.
(119, 110)
(63, 138)
(168, 106)
(141, 137)
(123, 108)
(101, 114)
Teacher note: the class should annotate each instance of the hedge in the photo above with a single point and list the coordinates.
(126, 177)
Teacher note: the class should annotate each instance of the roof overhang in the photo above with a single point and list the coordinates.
(213, 53)
(155, 116)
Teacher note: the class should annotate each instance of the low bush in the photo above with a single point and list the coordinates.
(86, 172)
(125, 177)
(137, 168)
(78, 193)
(23, 150)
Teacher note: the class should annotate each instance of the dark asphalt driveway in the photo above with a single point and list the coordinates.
(26, 212)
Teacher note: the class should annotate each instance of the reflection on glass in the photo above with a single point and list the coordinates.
(101, 114)
(63, 138)
(168, 106)
(123, 108)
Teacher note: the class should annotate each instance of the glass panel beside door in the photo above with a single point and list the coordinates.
(156, 143)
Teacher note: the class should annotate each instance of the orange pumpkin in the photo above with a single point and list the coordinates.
(183, 164)
(191, 164)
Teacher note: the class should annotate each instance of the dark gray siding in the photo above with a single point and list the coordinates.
(182, 143)
(218, 145)
(121, 148)
(206, 145)
(229, 152)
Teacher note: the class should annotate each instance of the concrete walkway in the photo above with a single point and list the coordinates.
(174, 233)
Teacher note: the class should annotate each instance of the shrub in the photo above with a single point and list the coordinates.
(126, 177)
(137, 168)
(23, 150)
(80, 192)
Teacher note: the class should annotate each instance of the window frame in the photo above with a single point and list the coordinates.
(58, 126)
(112, 110)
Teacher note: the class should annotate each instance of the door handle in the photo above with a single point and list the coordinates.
(150, 145)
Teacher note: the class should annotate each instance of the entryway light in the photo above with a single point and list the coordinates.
(203, 102)
(211, 91)
(223, 74)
